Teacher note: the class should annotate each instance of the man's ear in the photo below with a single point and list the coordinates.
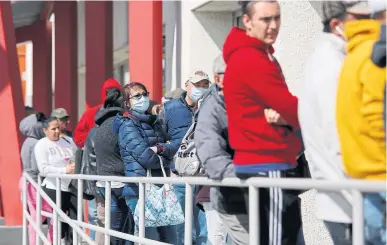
(246, 21)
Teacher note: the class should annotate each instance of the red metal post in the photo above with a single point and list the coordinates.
(66, 58)
(99, 48)
(145, 45)
(42, 64)
(11, 112)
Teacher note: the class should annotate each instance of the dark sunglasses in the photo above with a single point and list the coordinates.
(138, 96)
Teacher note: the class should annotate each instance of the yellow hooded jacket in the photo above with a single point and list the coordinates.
(359, 110)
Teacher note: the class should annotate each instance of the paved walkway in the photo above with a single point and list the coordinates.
(315, 232)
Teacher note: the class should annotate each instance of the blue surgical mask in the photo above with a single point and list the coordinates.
(141, 105)
(197, 93)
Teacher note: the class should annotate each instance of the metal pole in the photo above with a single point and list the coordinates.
(24, 198)
(141, 200)
(38, 211)
(79, 209)
(188, 214)
(108, 193)
(58, 203)
(254, 230)
(357, 218)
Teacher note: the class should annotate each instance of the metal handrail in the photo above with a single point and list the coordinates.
(56, 209)
(356, 187)
(284, 183)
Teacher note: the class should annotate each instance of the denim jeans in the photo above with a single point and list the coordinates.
(165, 234)
(92, 213)
(120, 218)
(375, 218)
(199, 226)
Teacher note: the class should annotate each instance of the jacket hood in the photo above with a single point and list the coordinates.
(108, 84)
(238, 39)
(104, 114)
(361, 31)
(30, 127)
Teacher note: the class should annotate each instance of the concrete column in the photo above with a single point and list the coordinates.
(11, 112)
(66, 58)
(145, 45)
(99, 48)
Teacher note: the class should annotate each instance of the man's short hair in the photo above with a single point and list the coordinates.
(219, 66)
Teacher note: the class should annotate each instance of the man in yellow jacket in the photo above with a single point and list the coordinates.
(359, 115)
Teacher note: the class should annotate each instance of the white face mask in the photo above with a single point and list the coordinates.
(141, 105)
(197, 93)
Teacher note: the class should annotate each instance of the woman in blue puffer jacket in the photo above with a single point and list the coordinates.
(141, 139)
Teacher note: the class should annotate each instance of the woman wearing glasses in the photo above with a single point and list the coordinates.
(141, 139)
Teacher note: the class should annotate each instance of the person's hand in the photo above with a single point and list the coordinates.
(156, 109)
(274, 117)
(70, 168)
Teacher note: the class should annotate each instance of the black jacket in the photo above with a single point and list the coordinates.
(106, 147)
(89, 163)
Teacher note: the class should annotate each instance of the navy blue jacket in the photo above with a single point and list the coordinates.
(177, 116)
(136, 133)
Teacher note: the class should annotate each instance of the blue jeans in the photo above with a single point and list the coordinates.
(120, 218)
(375, 218)
(199, 226)
(92, 213)
(165, 234)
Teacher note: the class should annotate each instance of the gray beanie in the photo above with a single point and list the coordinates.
(219, 66)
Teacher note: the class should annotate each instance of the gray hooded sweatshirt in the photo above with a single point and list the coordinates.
(33, 130)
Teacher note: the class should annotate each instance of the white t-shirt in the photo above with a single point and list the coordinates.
(53, 157)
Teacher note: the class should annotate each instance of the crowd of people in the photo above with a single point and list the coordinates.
(246, 124)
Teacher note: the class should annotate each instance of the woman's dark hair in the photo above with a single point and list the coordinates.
(114, 98)
(40, 117)
(127, 89)
(47, 122)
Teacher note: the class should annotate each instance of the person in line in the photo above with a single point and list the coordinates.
(86, 123)
(177, 117)
(81, 131)
(317, 112)
(54, 155)
(226, 213)
(140, 140)
(265, 145)
(359, 115)
(110, 163)
(63, 120)
(32, 128)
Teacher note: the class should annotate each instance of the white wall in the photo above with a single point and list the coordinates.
(203, 35)
(301, 25)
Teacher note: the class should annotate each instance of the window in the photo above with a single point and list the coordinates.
(238, 19)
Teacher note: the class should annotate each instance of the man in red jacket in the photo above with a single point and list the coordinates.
(262, 116)
(86, 123)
